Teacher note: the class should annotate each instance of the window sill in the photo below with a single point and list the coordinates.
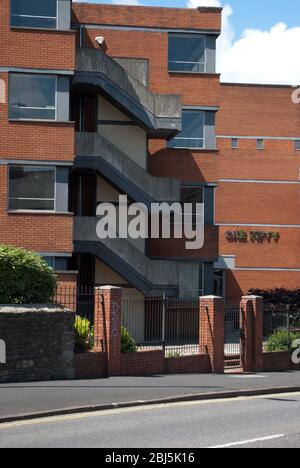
(193, 73)
(66, 272)
(37, 212)
(198, 150)
(43, 121)
(52, 30)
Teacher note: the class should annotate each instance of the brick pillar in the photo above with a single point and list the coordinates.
(252, 313)
(108, 317)
(212, 330)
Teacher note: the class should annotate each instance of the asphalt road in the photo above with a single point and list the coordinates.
(28, 398)
(269, 421)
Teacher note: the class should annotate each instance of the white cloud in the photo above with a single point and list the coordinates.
(205, 3)
(258, 56)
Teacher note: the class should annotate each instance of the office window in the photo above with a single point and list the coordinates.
(34, 13)
(32, 96)
(234, 143)
(193, 131)
(193, 195)
(190, 280)
(297, 145)
(219, 282)
(260, 144)
(57, 263)
(187, 53)
(50, 261)
(32, 188)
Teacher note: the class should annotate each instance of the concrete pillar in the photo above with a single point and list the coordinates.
(252, 352)
(212, 330)
(108, 317)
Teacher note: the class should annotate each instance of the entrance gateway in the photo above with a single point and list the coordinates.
(234, 336)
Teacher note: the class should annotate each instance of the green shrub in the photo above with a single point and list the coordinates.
(173, 354)
(25, 278)
(84, 334)
(280, 341)
(128, 343)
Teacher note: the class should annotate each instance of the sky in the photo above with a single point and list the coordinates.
(260, 40)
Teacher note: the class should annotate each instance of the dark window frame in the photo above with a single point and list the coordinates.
(297, 145)
(55, 262)
(13, 116)
(234, 143)
(199, 63)
(172, 143)
(43, 26)
(260, 144)
(10, 208)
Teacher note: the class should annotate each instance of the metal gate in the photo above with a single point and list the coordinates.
(233, 336)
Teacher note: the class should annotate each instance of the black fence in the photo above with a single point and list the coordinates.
(281, 327)
(160, 322)
(81, 301)
(232, 341)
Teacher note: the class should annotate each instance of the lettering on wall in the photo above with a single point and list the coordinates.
(258, 237)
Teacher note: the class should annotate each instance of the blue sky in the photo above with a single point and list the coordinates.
(259, 42)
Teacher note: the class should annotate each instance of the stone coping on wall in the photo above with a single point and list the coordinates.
(17, 309)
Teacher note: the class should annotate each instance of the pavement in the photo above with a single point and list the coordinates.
(253, 422)
(41, 399)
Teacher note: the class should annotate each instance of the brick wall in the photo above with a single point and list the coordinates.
(189, 364)
(238, 283)
(34, 140)
(90, 365)
(280, 361)
(258, 203)
(34, 48)
(154, 362)
(143, 363)
(195, 89)
(186, 165)
(204, 18)
(259, 111)
(39, 232)
(173, 248)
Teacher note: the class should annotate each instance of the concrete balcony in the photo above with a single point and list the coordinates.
(93, 151)
(158, 114)
(140, 271)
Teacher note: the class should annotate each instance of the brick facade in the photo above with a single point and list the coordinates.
(35, 48)
(245, 111)
(259, 188)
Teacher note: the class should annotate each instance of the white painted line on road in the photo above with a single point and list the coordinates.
(250, 441)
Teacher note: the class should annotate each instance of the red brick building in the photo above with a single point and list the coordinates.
(258, 198)
(99, 101)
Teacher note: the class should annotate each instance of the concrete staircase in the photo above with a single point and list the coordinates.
(158, 114)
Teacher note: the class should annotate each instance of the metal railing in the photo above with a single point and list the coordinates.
(165, 323)
(81, 301)
(281, 327)
(233, 327)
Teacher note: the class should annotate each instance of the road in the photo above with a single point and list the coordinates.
(269, 421)
(28, 398)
